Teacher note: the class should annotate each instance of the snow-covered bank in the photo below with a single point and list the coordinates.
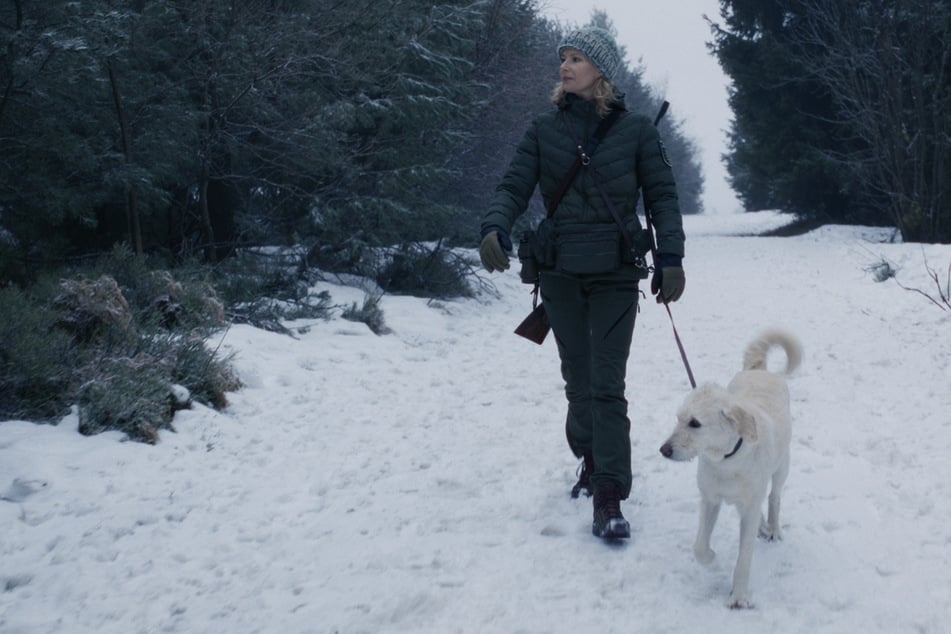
(418, 481)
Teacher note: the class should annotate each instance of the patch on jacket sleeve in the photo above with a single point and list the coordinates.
(663, 153)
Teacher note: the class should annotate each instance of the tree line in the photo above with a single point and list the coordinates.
(842, 109)
(192, 128)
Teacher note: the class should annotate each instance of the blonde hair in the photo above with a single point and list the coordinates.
(604, 95)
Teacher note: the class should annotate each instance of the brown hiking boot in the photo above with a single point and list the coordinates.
(608, 521)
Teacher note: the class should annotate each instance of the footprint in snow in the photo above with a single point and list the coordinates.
(19, 489)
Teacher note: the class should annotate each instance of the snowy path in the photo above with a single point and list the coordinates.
(417, 482)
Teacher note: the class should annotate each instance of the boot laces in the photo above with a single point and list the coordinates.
(583, 482)
(609, 501)
(612, 507)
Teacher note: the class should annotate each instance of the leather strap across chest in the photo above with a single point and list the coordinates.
(584, 155)
(585, 158)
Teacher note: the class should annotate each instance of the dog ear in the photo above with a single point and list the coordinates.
(743, 422)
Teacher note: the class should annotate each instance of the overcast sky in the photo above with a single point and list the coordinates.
(670, 38)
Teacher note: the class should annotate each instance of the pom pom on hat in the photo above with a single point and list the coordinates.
(598, 45)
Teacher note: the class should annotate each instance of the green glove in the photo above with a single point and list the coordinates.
(670, 285)
(492, 255)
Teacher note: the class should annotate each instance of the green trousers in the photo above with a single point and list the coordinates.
(592, 318)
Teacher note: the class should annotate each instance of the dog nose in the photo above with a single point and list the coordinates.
(666, 450)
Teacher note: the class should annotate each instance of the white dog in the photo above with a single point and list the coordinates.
(742, 435)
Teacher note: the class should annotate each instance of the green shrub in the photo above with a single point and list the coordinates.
(37, 361)
(184, 301)
(264, 289)
(131, 395)
(113, 346)
(206, 376)
(370, 314)
(421, 271)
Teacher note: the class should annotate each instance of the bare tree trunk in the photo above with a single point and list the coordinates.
(8, 89)
(208, 232)
(207, 229)
(132, 210)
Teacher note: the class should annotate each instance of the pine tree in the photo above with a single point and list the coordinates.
(841, 109)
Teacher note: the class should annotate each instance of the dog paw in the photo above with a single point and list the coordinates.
(771, 534)
(704, 555)
(768, 532)
(739, 602)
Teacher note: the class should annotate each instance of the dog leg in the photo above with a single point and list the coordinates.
(770, 529)
(708, 518)
(749, 522)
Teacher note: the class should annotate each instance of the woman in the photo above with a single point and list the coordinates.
(590, 294)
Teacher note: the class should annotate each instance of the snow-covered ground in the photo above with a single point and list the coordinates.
(418, 481)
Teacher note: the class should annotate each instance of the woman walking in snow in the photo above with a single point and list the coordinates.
(589, 251)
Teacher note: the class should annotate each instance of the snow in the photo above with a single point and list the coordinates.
(418, 481)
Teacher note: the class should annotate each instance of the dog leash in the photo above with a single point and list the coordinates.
(680, 346)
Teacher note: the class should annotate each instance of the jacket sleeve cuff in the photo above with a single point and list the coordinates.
(486, 230)
(504, 240)
(669, 260)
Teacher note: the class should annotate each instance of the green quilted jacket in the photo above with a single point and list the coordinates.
(630, 157)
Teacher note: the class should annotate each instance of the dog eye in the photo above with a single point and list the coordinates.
(694, 423)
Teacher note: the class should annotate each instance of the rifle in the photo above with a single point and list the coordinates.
(647, 211)
(650, 229)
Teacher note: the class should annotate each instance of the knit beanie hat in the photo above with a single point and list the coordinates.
(598, 45)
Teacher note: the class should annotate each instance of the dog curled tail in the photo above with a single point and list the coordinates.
(756, 352)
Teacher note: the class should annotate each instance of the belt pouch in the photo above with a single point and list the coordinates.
(588, 248)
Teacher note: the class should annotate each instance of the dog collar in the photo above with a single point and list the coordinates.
(735, 449)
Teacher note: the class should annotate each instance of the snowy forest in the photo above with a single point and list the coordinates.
(842, 110)
(170, 166)
(192, 129)
(254, 380)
